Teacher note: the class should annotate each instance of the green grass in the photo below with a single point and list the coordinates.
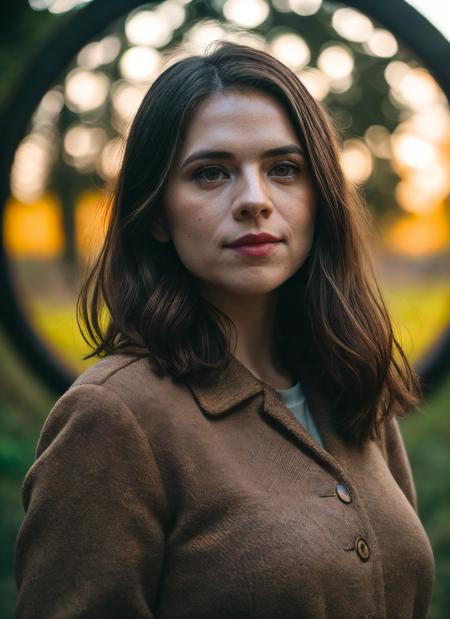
(58, 326)
(419, 313)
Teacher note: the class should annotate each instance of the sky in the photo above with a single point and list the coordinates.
(436, 11)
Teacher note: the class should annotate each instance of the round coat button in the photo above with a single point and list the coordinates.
(343, 493)
(362, 548)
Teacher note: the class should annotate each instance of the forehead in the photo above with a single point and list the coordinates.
(233, 119)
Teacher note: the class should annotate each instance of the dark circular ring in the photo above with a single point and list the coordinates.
(49, 62)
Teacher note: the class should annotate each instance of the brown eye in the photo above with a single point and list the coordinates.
(208, 174)
(285, 169)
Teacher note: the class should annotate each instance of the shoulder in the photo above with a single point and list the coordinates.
(116, 381)
(114, 368)
(92, 434)
(132, 379)
(122, 388)
(120, 395)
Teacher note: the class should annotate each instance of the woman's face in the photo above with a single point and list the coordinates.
(227, 183)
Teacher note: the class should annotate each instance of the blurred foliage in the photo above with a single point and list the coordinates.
(24, 404)
(21, 31)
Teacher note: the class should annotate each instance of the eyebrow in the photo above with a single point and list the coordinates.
(289, 149)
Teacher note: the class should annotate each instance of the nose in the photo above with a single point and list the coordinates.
(252, 198)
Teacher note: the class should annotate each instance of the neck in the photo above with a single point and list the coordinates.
(254, 319)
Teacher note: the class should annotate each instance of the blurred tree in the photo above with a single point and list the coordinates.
(21, 32)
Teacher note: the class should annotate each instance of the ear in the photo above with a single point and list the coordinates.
(160, 232)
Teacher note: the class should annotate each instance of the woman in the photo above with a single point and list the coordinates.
(236, 453)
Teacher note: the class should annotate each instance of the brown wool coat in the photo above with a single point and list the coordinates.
(150, 498)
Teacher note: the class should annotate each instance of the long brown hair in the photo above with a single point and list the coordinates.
(332, 325)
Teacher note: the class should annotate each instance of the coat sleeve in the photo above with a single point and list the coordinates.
(398, 461)
(91, 543)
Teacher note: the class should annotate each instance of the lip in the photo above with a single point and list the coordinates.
(253, 239)
(255, 249)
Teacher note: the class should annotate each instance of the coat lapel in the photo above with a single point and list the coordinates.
(333, 455)
(236, 383)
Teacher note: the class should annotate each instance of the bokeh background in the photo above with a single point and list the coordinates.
(394, 124)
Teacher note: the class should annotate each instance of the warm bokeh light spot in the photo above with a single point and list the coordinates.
(378, 139)
(82, 145)
(33, 230)
(291, 49)
(419, 234)
(411, 151)
(305, 7)
(148, 28)
(198, 37)
(337, 63)
(316, 82)
(32, 164)
(382, 43)
(415, 88)
(357, 161)
(141, 64)
(99, 53)
(248, 14)
(90, 222)
(423, 191)
(86, 90)
(352, 25)
(126, 99)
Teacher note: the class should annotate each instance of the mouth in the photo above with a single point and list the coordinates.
(254, 238)
(255, 249)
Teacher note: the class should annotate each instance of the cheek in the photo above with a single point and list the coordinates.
(193, 231)
(193, 220)
(303, 217)
(302, 231)
(181, 217)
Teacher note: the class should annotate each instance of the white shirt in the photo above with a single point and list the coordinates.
(295, 402)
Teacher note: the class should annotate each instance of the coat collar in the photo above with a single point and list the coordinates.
(236, 384)
(227, 389)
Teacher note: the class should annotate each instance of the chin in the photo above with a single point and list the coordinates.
(252, 288)
(242, 282)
